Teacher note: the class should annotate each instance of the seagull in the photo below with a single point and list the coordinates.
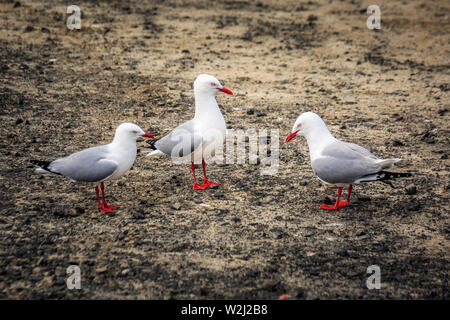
(98, 164)
(339, 163)
(198, 136)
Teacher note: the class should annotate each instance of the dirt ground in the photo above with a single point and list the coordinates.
(255, 236)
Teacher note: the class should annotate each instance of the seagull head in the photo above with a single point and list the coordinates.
(305, 124)
(130, 131)
(207, 84)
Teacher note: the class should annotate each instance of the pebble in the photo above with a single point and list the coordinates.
(219, 195)
(124, 272)
(101, 270)
(138, 216)
(276, 234)
(269, 285)
(411, 189)
(260, 113)
(176, 206)
(299, 293)
(251, 273)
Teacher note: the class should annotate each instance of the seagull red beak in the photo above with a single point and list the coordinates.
(148, 135)
(291, 136)
(225, 90)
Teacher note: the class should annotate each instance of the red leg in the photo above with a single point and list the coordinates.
(105, 205)
(98, 199)
(206, 182)
(196, 185)
(101, 208)
(344, 203)
(336, 206)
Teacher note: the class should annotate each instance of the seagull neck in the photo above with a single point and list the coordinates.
(205, 106)
(123, 143)
(317, 139)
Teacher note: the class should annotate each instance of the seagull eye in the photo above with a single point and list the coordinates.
(213, 84)
(134, 131)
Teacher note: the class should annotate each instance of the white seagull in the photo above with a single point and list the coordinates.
(98, 164)
(339, 163)
(200, 136)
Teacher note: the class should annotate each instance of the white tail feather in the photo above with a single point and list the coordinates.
(40, 170)
(154, 153)
(387, 163)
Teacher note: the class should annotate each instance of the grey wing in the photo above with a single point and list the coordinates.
(334, 170)
(340, 163)
(359, 149)
(346, 150)
(88, 165)
(182, 141)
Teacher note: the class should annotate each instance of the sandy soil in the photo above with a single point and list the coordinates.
(255, 236)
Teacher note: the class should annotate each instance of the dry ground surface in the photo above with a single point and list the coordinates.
(255, 236)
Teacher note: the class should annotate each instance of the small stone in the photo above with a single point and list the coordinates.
(28, 29)
(251, 273)
(260, 113)
(176, 206)
(411, 189)
(59, 213)
(249, 111)
(299, 293)
(397, 143)
(414, 207)
(328, 201)
(219, 195)
(236, 219)
(311, 18)
(269, 285)
(364, 198)
(19, 121)
(138, 216)
(125, 272)
(276, 234)
(101, 270)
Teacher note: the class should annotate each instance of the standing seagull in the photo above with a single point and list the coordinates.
(101, 163)
(340, 163)
(200, 136)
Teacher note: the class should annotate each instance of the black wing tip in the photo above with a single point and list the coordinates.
(387, 175)
(41, 164)
(151, 144)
